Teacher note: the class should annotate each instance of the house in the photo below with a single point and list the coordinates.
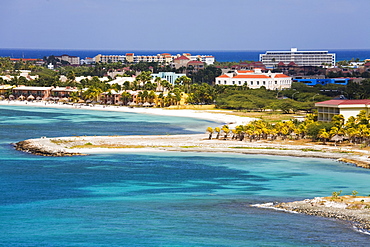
(327, 109)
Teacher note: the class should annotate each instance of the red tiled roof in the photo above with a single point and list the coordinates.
(281, 76)
(195, 62)
(345, 102)
(182, 58)
(23, 59)
(129, 54)
(245, 71)
(251, 76)
(223, 76)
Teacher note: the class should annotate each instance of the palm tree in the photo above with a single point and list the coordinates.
(217, 130)
(210, 131)
(126, 97)
(226, 130)
(324, 135)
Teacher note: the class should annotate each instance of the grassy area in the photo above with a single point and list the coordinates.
(267, 115)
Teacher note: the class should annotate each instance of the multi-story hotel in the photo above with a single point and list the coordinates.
(165, 58)
(301, 58)
(255, 79)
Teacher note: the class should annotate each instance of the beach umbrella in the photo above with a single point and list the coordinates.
(38, 98)
(31, 97)
(146, 104)
(21, 97)
(11, 97)
(81, 101)
(337, 138)
(2, 97)
(65, 99)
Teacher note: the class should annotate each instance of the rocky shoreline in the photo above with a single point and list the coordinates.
(31, 147)
(353, 209)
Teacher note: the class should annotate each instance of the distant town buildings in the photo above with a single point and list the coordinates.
(255, 79)
(72, 60)
(301, 58)
(165, 58)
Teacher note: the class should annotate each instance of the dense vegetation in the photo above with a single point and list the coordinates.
(197, 85)
(356, 130)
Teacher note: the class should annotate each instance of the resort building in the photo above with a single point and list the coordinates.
(255, 79)
(181, 61)
(39, 93)
(63, 92)
(327, 109)
(301, 58)
(164, 58)
(72, 60)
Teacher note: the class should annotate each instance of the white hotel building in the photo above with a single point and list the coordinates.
(255, 79)
(301, 58)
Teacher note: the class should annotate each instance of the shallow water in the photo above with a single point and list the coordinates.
(158, 199)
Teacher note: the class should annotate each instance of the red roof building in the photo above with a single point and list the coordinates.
(327, 109)
(255, 79)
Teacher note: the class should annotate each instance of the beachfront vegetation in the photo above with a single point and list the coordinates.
(194, 89)
(355, 131)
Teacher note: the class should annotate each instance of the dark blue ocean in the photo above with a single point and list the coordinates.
(160, 198)
(221, 56)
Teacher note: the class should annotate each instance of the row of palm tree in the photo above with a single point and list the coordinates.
(355, 130)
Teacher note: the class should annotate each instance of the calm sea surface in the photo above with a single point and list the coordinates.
(162, 198)
(221, 56)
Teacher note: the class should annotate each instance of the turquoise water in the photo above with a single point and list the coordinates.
(158, 199)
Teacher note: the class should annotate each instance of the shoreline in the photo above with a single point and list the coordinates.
(210, 115)
(322, 207)
(352, 209)
(83, 145)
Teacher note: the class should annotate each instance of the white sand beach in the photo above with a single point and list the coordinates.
(194, 143)
(211, 115)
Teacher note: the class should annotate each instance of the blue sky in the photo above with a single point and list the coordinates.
(185, 24)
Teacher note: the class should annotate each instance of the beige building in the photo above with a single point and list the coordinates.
(327, 109)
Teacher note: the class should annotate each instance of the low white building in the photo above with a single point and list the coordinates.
(327, 109)
(255, 79)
